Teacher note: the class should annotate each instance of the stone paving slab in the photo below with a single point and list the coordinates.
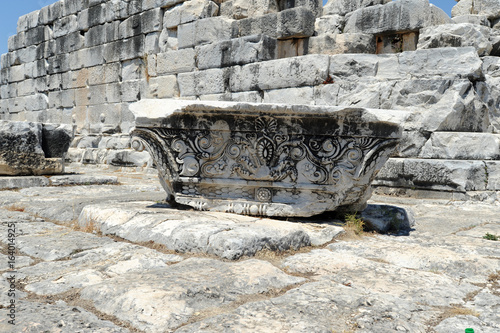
(34, 317)
(164, 299)
(60, 180)
(92, 266)
(439, 276)
(228, 236)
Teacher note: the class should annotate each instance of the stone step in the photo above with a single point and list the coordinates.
(440, 174)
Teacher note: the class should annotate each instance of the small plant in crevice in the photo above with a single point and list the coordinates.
(491, 237)
(354, 224)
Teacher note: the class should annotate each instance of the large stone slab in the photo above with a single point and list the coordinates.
(165, 299)
(456, 35)
(489, 8)
(267, 159)
(224, 235)
(33, 148)
(402, 15)
(58, 317)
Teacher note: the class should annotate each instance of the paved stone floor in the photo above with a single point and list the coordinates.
(94, 257)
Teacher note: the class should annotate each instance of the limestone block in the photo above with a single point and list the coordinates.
(341, 44)
(238, 51)
(82, 96)
(456, 35)
(163, 87)
(26, 149)
(491, 66)
(93, 56)
(55, 81)
(303, 95)
(462, 146)
(247, 96)
(67, 98)
(495, 43)
(152, 20)
(189, 11)
(215, 97)
(124, 49)
(148, 4)
(52, 12)
(131, 90)
(58, 64)
(113, 93)
(449, 62)
(168, 40)
(37, 35)
(102, 34)
(437, 17)
(489, 8)
(77, 59)
(261, 25)
(492, 168)
(152, 43)
(461, 62)
(27, 54)
(12, 90)
(403, 15)
(96, 15)
(329, 24)
(290, 23)
(54, 99)
(16, 73)
(173, 62)
(240, 9)
(473, 19)
(36, 102)
(130, 27)
(316, 6)
(97, 95)
(151, 65)
(295, 23)
(75, 79)
(441, 175)
(17, 104)
(307, 70)
(74, 6)
(17, 41)
(205, 31)
(342, 7)
(133, 70)
(70, 43)
(65, 25)
(28, 21)
(210, 81)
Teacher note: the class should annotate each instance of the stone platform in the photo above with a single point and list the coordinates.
(165, 270)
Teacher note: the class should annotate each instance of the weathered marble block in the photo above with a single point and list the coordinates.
(265, 159)
(28, 148)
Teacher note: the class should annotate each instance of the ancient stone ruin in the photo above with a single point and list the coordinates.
(266, 159)
(84, 63)
(262, 107)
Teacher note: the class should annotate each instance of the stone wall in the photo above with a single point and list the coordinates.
(85, 61)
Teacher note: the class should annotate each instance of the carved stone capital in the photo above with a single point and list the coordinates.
(265, 159)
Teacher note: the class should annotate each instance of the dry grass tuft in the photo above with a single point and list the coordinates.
(354, 226)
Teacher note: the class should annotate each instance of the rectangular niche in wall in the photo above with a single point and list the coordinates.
(398, 42)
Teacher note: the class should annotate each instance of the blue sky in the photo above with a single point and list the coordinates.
(12, 9)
